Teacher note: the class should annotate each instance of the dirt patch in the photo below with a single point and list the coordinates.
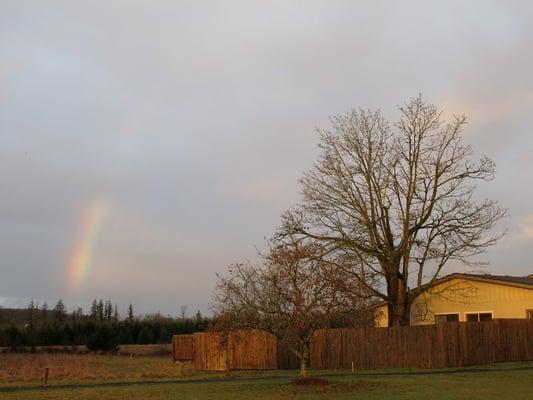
(309, 381)
(362, 386)
(149, 350)
(318, 385)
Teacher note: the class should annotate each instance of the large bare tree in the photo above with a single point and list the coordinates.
(290, 293)
(396, 203)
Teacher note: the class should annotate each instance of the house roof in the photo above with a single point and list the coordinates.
(521, 281)
(525, 282)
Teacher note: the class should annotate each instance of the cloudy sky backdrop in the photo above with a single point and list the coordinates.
(151, 143)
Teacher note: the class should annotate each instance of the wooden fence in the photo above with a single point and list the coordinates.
(211, 351)
(254, 349)
(214, 351)
(431, 346)
(182, 348)
(453, 344)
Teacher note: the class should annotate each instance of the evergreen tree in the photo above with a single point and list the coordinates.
(108, 310)
(79, 329)
(164, 337)
(103, 338)
(44, 312)
(31, 308)
(131, 317)
(60, 311)
(146, 336)
(100, 310)
(94, 310)
(77, 314)
(13, 337)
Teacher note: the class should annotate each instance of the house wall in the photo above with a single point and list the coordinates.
(381, 316)
(463, 296)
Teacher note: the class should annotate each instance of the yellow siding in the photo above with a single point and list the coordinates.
(463, 296)
(381, 317)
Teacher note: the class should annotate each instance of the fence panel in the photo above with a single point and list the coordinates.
(182, 347)
(252, 349)
(210, 351)
(454, 344)
(220, 351)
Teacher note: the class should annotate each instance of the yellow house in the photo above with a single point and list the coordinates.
(469, 297)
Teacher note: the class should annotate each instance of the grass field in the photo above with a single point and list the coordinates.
(113, 378)
(29, 368)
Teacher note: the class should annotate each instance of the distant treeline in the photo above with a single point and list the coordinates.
(101, 329)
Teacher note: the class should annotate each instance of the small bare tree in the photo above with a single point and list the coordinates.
(183, 312)
(396, 204)
(293, 291)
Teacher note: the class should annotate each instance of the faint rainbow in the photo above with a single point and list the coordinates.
(79, 263)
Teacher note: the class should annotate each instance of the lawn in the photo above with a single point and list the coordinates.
(113, 378)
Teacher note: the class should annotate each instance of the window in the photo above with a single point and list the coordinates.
(477, 317)
(529, 314)
(443, 318)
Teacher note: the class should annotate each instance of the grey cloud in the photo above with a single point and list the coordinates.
(194, 120)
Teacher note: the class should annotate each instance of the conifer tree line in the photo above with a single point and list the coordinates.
(102, 328)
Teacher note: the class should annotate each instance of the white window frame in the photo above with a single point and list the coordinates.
(479, 312)
(447, 313)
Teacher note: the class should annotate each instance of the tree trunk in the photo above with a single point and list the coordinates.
(399, 306)
(304, 360)
(399, 314)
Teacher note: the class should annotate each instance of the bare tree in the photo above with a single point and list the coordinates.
(291, 292)
(396, 204)
(183, 312)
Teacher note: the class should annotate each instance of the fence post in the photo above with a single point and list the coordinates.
(46, 371)
(227, 371)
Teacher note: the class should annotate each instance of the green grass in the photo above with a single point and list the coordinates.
(498, 381)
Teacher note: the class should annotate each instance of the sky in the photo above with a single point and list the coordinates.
(146, 145)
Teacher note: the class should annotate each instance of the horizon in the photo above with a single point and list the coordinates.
(122, 309)
(144, 149)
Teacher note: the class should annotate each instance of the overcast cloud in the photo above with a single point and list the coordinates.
(190, 122)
